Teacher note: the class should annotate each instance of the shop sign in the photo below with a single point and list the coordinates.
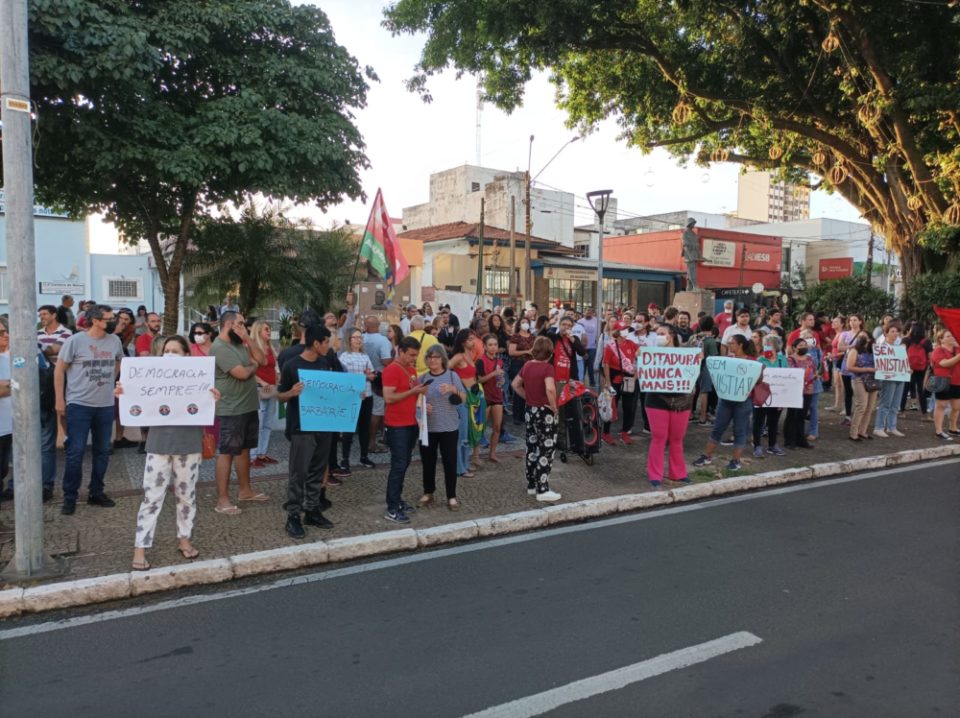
(719, 254)
(62, 288)
(836, 268)
(580, 275)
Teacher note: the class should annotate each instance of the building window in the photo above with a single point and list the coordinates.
(496, 280)
(474, 186)
(616, 293)
(574, 293)
(581, 249)
(4, 290)
(122, 289)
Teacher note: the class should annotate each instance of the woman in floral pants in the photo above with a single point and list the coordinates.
(536, 386)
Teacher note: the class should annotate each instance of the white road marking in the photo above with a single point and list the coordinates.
(326, 574)
(620, 678)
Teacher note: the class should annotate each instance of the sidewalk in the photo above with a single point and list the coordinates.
(98, 542)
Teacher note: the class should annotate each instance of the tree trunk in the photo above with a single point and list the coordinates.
(911, 262)
(171, 304)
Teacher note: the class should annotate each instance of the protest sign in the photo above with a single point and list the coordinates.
(330, 400)
(167, 391)
(733, 378)
(891, 362)
(668, 370)
(786, 388)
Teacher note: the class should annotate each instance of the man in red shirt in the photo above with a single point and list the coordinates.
(145, 340)
(807, 321)
(725, 318)
(400, 394)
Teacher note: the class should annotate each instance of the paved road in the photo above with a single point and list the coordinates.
(851, 586)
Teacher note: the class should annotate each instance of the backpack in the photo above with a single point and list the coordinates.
(917, 356)
(48, 396)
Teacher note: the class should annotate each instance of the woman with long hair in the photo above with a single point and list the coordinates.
(542, 325)
(891, 392)
(173, 457)
(706, 339)
(473, 410)
(919, 348)
(945, 362)
(619, 377)
(739, 413)
(768, 417)
(854, 327)
(445, 395)
(355, 360)
(492, 376)
(800, 358)
(201, 339)
(839, 325)
(859, 362)
(519, 351)
(536, 385)
(395, 335)
(669, 418)
(267, 389)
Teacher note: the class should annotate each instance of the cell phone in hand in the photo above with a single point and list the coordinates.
(427, 382)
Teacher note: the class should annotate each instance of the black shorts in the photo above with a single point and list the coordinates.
(239, 432)
(949, 394)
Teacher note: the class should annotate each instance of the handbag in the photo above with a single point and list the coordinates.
(936, 384)
(871, 384)
(760, 393)
(209, 446)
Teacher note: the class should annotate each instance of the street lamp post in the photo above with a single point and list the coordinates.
(599, 200)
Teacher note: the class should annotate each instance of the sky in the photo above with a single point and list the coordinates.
(407, 140)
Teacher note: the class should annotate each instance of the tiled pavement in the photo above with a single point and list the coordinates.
(99, 541)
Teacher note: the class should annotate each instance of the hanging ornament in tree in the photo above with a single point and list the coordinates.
(830, 43)
(775, 152)
(952, 215)
(720, 154)
(682, 113)
(868, 113)
(819, 157)
(837, 173)
(914, 203)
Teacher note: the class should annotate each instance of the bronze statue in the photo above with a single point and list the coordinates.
(691, 253)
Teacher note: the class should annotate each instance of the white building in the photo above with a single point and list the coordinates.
(455, 196)
(831, 248)
(760, 197)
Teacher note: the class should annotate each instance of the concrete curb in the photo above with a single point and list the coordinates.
(66, 594)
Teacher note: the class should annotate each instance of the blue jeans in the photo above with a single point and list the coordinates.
(268, 410)
(740, 413)
(813, 425)
(463, 442)
(81, 421)
(888, 404)
(591, 359)
(401, 441)
(48, 448)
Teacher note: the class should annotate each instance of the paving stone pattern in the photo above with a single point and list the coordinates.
(98, 541)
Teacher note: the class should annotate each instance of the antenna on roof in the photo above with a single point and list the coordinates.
(479, 121)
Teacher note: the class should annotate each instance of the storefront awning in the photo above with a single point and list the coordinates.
(580, 268)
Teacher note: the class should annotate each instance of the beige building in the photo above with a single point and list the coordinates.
(760, 197)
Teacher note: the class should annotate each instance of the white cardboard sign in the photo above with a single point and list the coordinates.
(786, 388)
(167, 391)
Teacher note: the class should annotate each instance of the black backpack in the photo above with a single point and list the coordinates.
(48, 395)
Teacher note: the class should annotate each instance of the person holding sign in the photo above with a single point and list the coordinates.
(769, 416)
(620, 378)
(891, 387)
(738, 412)
(309, 450)
(173, 457)
(793, 428)
(669, 417)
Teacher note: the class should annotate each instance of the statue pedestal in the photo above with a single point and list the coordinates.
(695, 301)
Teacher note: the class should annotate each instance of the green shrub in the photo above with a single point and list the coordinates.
(942, 289)
(845, 296)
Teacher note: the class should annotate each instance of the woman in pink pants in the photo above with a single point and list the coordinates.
(669, 415)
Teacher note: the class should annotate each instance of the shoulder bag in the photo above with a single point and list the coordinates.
(936, 384)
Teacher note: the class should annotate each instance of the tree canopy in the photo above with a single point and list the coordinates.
(156, 112)
(865, 95)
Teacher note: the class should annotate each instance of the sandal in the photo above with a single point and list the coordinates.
(140, 565)
(259, 498)
(453, 505)
(425, 500)
(468, 474)
(228, 510)
(188, 554)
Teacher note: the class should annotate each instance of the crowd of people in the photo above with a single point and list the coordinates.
(499, 368)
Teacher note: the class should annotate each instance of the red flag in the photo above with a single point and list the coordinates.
(380, 245)
(950, 319)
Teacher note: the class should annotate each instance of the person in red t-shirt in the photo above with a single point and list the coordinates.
(535, 384)
(145, 341)
(725, 318)
(945, 362)
(566, 347)
(400, 394)
(807, 321)
(620, 375)
(491, 375)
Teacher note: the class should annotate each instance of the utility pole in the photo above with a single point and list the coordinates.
(512, 285)
(743, 261)
(480, 254)
(599, 201)
(528, 228)
(15, 107)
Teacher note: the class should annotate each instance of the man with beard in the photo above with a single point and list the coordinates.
(237, 360)
(144, 343)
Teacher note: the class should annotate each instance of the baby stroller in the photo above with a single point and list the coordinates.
(579, 431)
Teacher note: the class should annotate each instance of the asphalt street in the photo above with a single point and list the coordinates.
(852, 589)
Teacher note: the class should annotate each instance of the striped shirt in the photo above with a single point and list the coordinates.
(357, 363)
(55, 338)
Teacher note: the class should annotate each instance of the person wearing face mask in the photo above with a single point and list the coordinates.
(793, 433)
(888, 398)
(768, 417)
(173, 457)
(201, 339)
(620, 375)
(519, 351)
(87, 366)
(237, 362)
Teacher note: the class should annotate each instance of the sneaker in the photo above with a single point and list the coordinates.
(646, 431)
(734, 465)
(548, 496)
(625, 438)
(47, 494)
(398, 517)
(758, 452)
(269, 459)
(704, 460)
(684, 480)
(407, 508)
(70, 505)
(324, 503)
(608, 439)
(953, 433)
(315, 518)
(102, 500)
(124, 443)
(257, 463)
(775, 450)
(332, 480)
(894, 432)
(294, 527)
(703, 423)
(507, 438)
(656, 484)
(846, 421)
(341, 471)
(367, 463)
(880, 433)
(531, 490)
(942, 435)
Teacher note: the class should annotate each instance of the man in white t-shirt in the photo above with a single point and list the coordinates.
(742, 327)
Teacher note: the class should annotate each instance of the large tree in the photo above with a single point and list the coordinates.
(865, 95)
(154, 112)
